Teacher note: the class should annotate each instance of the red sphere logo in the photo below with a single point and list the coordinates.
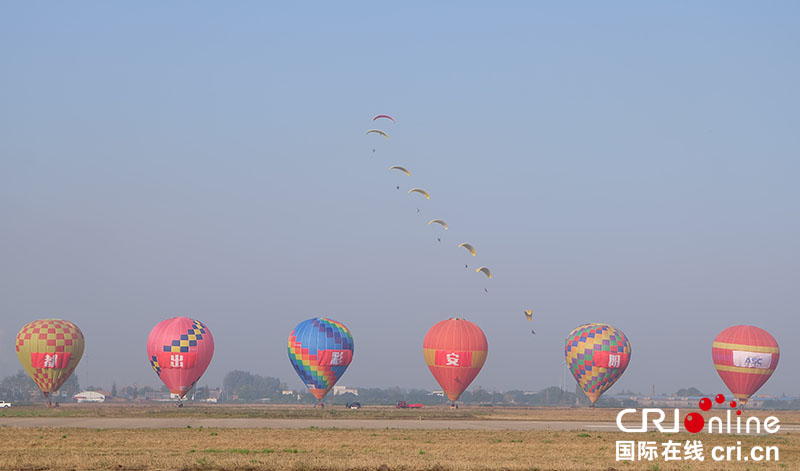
(694, 422)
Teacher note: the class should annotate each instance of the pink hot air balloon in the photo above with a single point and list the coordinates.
(745, 357)
(179, 350)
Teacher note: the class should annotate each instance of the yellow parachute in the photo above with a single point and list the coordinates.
(529, 314)
(378, 131)
(420, 191)
(438, 221)
(402, 169)
(485, 271)
(468, 247)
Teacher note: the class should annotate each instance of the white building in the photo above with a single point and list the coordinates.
(89, 396)
(339, 390)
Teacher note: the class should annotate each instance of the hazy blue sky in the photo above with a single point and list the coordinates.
(628, 163)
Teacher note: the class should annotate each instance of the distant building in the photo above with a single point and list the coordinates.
(339, 390)
(89, 396)
(157, 396)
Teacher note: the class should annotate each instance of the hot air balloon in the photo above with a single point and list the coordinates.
(49, 350)
(745, 357)
(597, 355)
(320, 350)
(179, 350)
(455, 350)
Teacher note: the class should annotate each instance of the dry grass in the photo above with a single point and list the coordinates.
(332, 449)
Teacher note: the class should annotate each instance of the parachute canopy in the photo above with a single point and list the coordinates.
(469, 247)
(386, 116)
(378, 131)
(49, 350)
(320, 351)
(597, 355)
(745, 357)
(455, 351)
(420, 191)
(485, 271)
(180, 350)
(402, 169)
(529, 314)
(439, 221)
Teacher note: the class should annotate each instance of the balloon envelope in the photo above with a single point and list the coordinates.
(455, 351)
(745, 357)
(597, 355)
(49, 350)
(320, 351)
(179, 350)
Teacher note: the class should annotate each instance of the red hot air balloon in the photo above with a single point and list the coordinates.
(179, 350)
(455, 351)
(745, 358)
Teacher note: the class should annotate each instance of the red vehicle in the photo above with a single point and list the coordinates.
(405, 405)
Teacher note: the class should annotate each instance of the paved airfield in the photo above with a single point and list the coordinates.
(122, 423)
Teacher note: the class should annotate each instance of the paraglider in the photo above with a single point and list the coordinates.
(384, 116)
(420, 191)
(745, 357)
(529, 314)
(378, 131)
(485, 271)
(597, 355)
(402, 169)
(455, 351)
(440, 222)
(320, 350)
(469, 248)
(180, 349)
(49, 350)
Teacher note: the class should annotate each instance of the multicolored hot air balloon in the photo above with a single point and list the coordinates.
(455, 351)
(49, 350)
(597, 355)
(320, 350)
(179, 350)
(745, 357)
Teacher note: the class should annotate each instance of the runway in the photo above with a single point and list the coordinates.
(404, 424)
(138, 422)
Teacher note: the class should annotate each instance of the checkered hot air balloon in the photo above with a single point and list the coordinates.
(49, 350)
(745, 357)
(179, 350)
(320, 351)
(455, 351)
(597, 355)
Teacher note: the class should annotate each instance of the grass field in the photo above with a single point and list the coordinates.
(186, 449)
(326, 449)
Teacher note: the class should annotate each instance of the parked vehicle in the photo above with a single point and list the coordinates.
(405, 405)
(4, 404)
(353, 405)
